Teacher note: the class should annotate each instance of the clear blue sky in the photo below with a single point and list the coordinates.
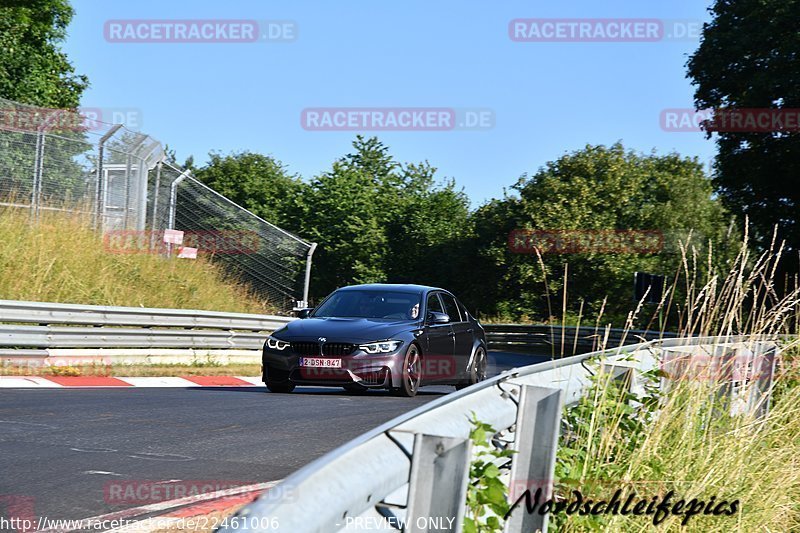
(547, 98)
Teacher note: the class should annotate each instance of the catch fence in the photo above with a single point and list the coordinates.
(124, 184)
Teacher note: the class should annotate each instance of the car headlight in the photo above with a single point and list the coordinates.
(276, 344)
(380, 347)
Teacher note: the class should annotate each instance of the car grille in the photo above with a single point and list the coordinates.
(305, 348)
(333, 349)
(337, 348)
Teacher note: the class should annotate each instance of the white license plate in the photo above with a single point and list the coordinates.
(320, 362)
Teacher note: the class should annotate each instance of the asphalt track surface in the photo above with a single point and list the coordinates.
(59, 448)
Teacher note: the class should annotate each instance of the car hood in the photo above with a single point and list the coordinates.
(344, 329)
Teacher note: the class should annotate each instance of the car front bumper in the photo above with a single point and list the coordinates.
(371, 371)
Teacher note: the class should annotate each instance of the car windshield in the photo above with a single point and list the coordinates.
(370, 304)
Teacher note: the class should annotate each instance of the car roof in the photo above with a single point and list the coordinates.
(394, 287)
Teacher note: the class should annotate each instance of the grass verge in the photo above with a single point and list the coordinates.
(62, 259)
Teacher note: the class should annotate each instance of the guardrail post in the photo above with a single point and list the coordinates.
(763, 375)
(437, 491)
(533, 467)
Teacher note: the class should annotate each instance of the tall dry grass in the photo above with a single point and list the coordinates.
(685, 439)
(61, 258)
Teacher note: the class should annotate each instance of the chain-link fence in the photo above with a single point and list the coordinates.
(61, 160)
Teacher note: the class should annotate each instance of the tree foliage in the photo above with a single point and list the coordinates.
(33, 69)
(379, 220)
(749, 57)
(597, 189)
(258, 183)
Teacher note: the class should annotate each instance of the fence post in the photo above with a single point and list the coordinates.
(437, 490)
(307, 280)
(37, 165)
(155, 202)
(143, 174)
(173, 202)
(536, 440)
(100, 206)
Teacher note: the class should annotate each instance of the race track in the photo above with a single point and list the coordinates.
(59, 448)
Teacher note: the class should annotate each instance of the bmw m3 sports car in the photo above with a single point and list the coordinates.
(396, 337)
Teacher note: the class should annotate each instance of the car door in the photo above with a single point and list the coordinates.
(438, 363)
(463, 334)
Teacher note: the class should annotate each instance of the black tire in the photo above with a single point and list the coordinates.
(411, 378)
(478, 371)
(280, 386)
(278, 381)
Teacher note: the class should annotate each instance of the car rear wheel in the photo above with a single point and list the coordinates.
(412, 373)
(478, 371)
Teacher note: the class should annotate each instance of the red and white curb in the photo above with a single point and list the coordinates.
(176, 511)
(27, 382)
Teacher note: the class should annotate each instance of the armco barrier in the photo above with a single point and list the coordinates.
(564, 339)
(414, 469)
(91, 326)
(26, 328)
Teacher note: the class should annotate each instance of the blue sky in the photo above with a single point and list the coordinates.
(547, 98)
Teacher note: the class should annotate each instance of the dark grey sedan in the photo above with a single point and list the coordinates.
(397, 337)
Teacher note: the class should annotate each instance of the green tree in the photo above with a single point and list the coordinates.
(258, 183)
(597, 188)
(33, 69)
(425, 230)
(343, 214)
(378, 220)
(749, 57)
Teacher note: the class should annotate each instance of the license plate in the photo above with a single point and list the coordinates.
(320, 362)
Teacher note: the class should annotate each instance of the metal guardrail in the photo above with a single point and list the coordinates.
(56, 326)
(524, 337)
(415, 468)
(59, 326)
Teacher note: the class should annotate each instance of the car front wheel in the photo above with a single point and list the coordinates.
(411, 373)
(278, 381)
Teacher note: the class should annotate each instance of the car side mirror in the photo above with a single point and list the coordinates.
(304, 313)
(434, 317)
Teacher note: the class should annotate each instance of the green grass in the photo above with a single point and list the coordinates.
(61, 259)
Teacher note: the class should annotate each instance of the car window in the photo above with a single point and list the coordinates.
(463, 308)
(451, 308)
(434, 305)
(370, 304)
